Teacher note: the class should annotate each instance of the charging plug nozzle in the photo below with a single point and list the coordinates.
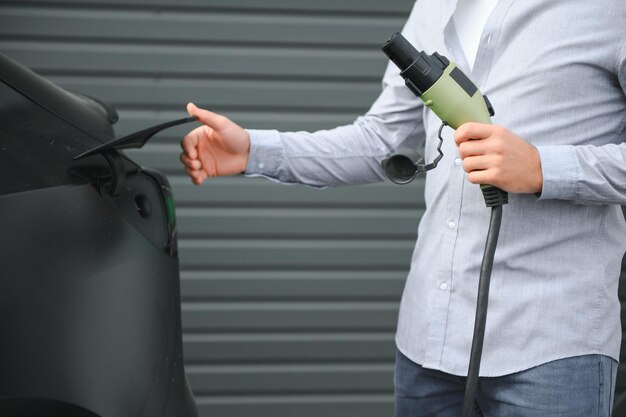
(419, 70)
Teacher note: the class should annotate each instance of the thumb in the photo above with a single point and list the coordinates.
(213, 120)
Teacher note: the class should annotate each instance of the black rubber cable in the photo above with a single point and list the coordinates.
(471, 384)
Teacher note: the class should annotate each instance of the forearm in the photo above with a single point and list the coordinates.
(344, 155)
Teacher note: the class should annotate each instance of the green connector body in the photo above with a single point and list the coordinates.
(452, 102)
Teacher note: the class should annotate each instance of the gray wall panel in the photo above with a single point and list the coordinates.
(173, 26)
(290, 378)
(292, 254)
(197, 61)
(292, 316)
(236, 192)
(351, 7)
(219, 285)
(289, 348)
(304, 223)
(311, 405)
(243, 94)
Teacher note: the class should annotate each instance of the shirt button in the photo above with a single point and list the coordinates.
(261, 165)
(443, 286)
(458, 161)
(451, 224)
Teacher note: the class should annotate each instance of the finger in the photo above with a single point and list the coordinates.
(203, 176)
(213, 120)
(468, 131)
(477, 163)
(192, 172)
(473, 148)
(481, 177)
(199, 179)
(194, 164)
(189, 145)
(195, 175)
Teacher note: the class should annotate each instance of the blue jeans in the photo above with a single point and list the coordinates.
(581, 386)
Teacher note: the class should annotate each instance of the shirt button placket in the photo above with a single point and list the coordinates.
(441, 296)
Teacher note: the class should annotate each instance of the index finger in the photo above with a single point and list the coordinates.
(468, 131)
(189, 144)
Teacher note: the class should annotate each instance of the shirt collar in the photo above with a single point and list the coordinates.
(447, 10)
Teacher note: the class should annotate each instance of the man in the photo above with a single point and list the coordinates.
(556, 74)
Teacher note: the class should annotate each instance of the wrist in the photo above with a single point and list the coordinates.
(245, 153)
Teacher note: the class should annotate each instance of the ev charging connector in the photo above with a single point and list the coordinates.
(452, 96)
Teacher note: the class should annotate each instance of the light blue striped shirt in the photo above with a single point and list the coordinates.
(555, 71)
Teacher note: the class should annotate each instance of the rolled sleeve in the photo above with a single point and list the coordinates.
(561, 172)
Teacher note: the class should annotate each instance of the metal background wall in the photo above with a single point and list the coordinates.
(290, 294)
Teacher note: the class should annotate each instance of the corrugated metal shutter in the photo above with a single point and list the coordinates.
(290, 295)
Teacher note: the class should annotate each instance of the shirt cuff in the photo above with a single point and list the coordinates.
(266, 153)
(561, 171)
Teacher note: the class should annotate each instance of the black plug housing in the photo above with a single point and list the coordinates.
(419, 70)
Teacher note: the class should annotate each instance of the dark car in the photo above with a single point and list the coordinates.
(90, 321)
